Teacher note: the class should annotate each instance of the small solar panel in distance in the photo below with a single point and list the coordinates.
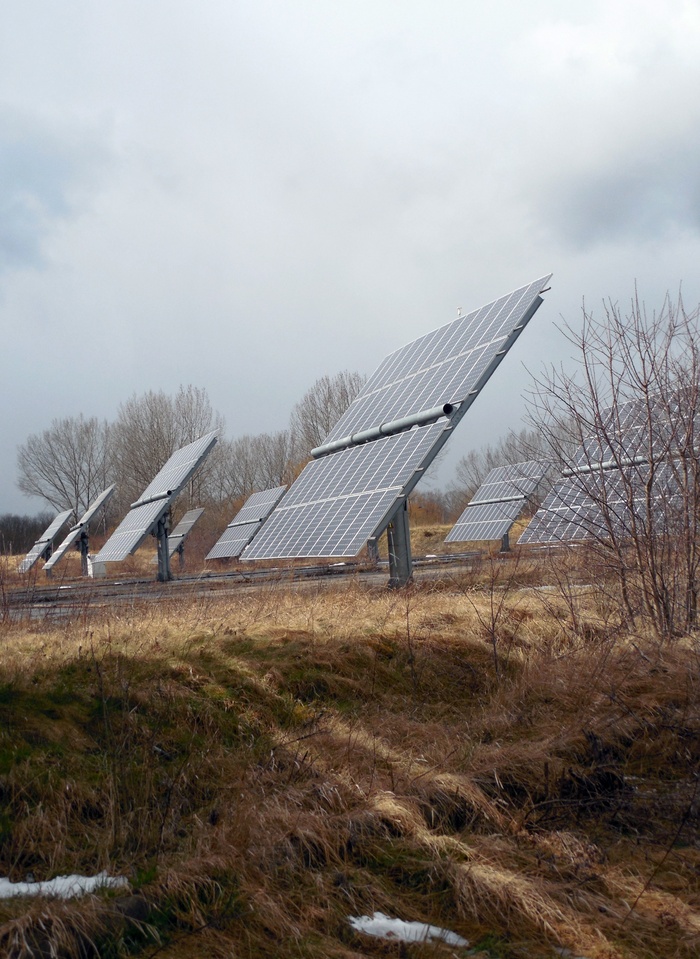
(443, 366)
(246, 523)
(485, 521)
(183, 529)
(339, 501)
(155, 500)
(74, 534)
(498, 502)
(45, 540)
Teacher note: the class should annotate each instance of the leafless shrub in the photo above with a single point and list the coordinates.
(633, 410)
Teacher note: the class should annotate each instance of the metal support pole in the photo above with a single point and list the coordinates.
(373, 551)
(84, 547)
(162, 532)
(505, 543)
(181, 554)
(399, 541)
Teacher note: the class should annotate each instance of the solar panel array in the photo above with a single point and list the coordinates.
(341, 500)
(246, 523)
(155, 500)
(498, 502)
(44, 541)
(76, 531)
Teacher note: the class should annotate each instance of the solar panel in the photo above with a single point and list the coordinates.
(155, 500)
(183, 529)
(44, 542)
(246, 523)
(498, 502)
(485, 521)
(343, 499)
(76, 531)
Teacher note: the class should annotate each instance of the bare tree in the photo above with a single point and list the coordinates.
(67, 465)
(19, 533)
(250, 463)
(275, 464)
(632, 410)
(320, 408)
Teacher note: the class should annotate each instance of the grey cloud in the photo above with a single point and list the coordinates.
(634, 197)
(44, 175)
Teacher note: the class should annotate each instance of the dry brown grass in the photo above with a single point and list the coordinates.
(263, 767)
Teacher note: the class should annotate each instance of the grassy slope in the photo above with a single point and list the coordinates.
(262, 768)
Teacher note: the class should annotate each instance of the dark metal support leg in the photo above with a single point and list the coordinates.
(84, 547)
(400, 559)
(162, 532)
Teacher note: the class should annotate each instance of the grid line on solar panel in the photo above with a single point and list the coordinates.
(246, 523)
(603, 504)
(339, 501)
(74, 535)
(442, 366)
(44, 540)
(155, 500)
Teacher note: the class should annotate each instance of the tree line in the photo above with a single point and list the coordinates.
(75, 458)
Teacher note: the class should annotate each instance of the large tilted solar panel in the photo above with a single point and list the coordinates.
(498, 502)
(183, 529)
(443, 366)
(76, 530)
(246, 523)
(46, 538)
(155, 500)
(571, 511)
(340, 501)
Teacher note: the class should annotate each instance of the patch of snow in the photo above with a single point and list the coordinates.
(65, 887)
(385, 928)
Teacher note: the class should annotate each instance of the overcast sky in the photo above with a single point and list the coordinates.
(244, 195)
